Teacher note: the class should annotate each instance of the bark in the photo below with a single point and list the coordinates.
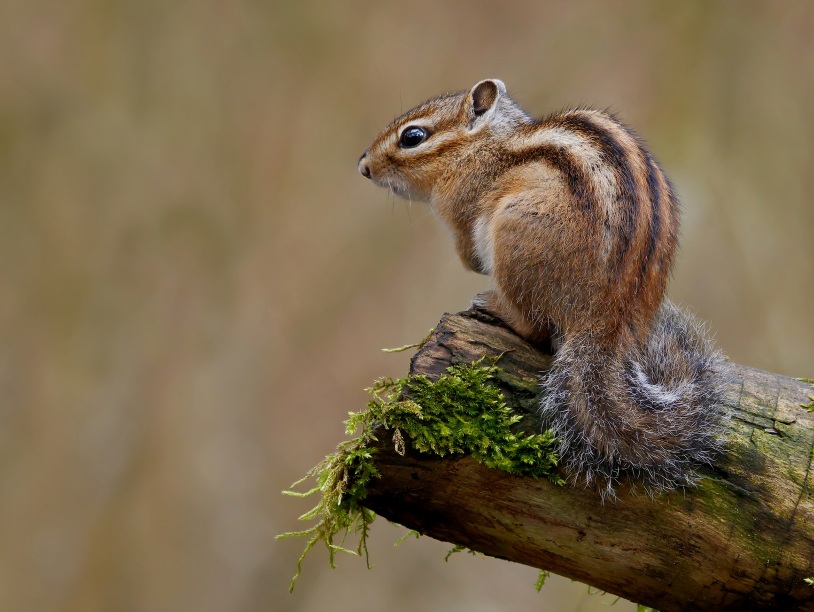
(742, 539)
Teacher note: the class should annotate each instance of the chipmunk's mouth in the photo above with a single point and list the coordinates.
(393, 184)
(398, 188)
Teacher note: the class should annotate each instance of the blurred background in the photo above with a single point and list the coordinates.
(196, 282)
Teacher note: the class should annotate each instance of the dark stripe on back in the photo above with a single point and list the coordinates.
(567, 163)
(615, 155)
(654, 187)
(674, 213)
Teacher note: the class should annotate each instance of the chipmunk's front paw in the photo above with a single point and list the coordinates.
(491, 303)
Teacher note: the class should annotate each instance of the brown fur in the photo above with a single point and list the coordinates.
(577, 225)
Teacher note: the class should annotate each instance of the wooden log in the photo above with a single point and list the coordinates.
(743, 539)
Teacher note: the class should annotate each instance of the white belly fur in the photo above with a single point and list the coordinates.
(484, 241)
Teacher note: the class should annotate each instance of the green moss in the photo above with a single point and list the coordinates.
(463, 412)
(810, 405)
(461, 548)
(542, 576)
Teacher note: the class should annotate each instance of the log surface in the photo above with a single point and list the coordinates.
(742, 539)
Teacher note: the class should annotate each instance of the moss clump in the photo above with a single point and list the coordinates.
(463, 412)
(542, 576)
(810, 405)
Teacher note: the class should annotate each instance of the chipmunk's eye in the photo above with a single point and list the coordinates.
(412, 137)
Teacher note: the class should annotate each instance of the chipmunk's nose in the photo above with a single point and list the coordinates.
(363, 167)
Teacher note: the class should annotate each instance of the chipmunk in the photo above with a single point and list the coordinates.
(577, 225)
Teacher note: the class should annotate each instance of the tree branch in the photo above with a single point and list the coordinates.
(743, 539)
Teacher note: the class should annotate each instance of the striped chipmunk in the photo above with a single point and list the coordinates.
(577, 226)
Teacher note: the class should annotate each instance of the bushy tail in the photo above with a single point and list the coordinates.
(650, 414)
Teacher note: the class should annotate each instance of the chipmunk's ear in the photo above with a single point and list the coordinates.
(482, 100)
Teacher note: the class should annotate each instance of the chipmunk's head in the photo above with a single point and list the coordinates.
(426, 144)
